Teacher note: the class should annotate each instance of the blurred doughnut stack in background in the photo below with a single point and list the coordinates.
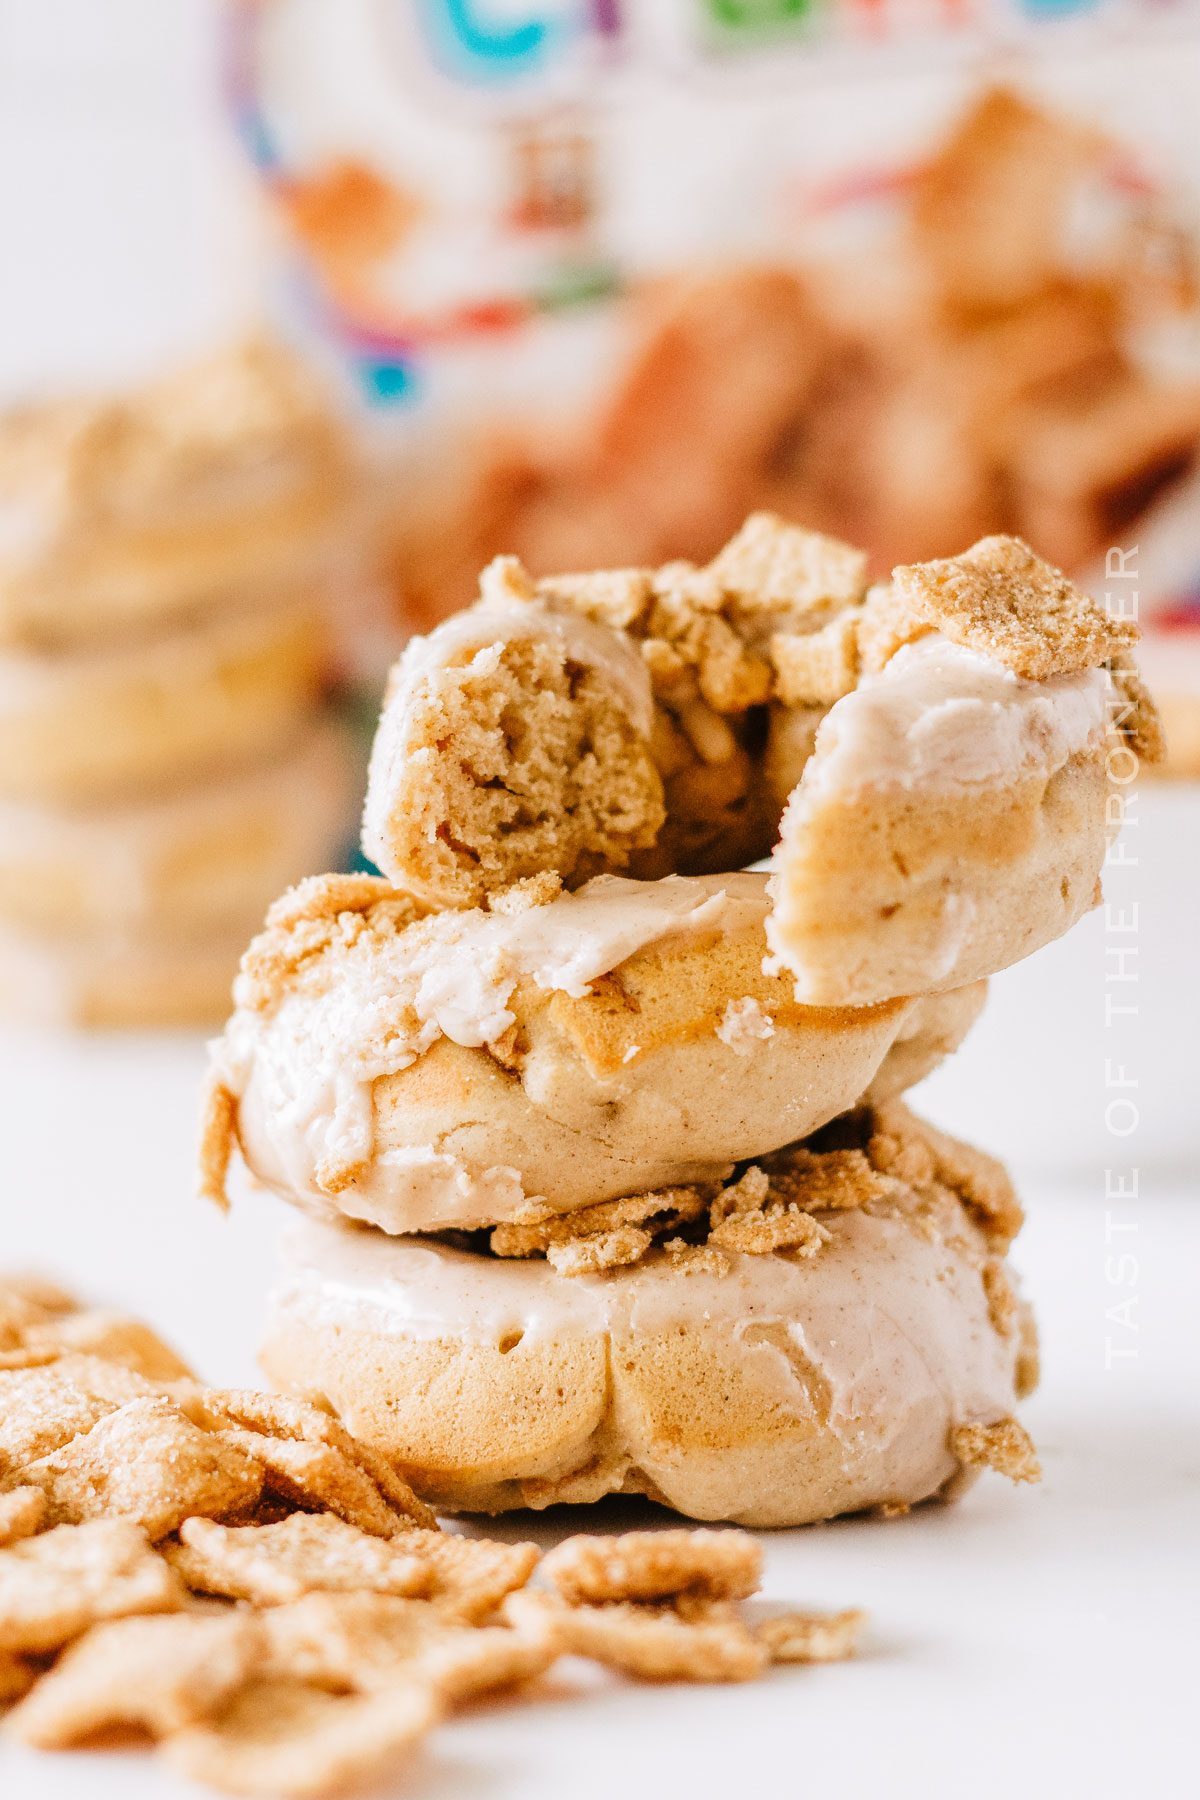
(167, 754)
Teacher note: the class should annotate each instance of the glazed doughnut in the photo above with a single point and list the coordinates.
(422, 1072)
(826, 1336)
(136, 513)
(129, 719)
(203, 860)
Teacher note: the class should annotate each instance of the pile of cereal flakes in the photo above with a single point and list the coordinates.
(237, 1577)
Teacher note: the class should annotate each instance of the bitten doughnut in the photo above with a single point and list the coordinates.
(135, 513)
(832, 1332)
(939, 746)
(420, 1072)
(952, 817)
(616, 720)
(114, 721)
(200, 860)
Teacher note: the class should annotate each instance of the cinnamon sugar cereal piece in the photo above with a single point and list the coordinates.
(609, 1250)
(54, 1586)
(471, 1576)
(1133, 713)
(273, 1564)
(22, 1514)
(808, 1637)
(17, 1676)
(775, 1227)
(616, 597)
(691, 649)
(770, 564)
(364, 1642)
(316, 1477)
(744, 1217)
(319, 913)
(1005, 1446)
(148, 1463)
(916, 1152)
(827, 1180)
(286, 1738)
(44, 1407)
(601, 1236)
(160, 1673)
(884, 624)
(1002, 1302)
(654, 1643)
(651, 1565)
(1004, 602)
(319, 899)
(818, 667)
(113, 1338)
(285, 1418)
(696, 1259)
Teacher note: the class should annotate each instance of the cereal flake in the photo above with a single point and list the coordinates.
(1004, 602)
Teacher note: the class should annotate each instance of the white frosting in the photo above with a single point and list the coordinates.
(304, 1070)
(938, 715)
(881, 1311)
(478, 636)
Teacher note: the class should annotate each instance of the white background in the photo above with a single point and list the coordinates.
(1035, 1641)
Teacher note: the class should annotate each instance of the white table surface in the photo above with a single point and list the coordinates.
(1039, 1642)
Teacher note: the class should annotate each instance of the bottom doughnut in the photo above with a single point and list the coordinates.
(789, 1388)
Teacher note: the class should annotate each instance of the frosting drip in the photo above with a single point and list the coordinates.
(304, 1071)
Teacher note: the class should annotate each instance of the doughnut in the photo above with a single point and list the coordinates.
(952, 817)
(104, 980)
(831, 1332)
(135, 513)
(204, 859)
(114, 721)
(421, 1071)
(930, 754)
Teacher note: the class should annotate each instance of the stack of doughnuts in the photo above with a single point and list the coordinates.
(608, 1179)
(167, 760)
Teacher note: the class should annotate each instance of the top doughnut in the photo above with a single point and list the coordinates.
(664, 721)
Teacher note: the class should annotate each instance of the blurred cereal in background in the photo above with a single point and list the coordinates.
(603, 280)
